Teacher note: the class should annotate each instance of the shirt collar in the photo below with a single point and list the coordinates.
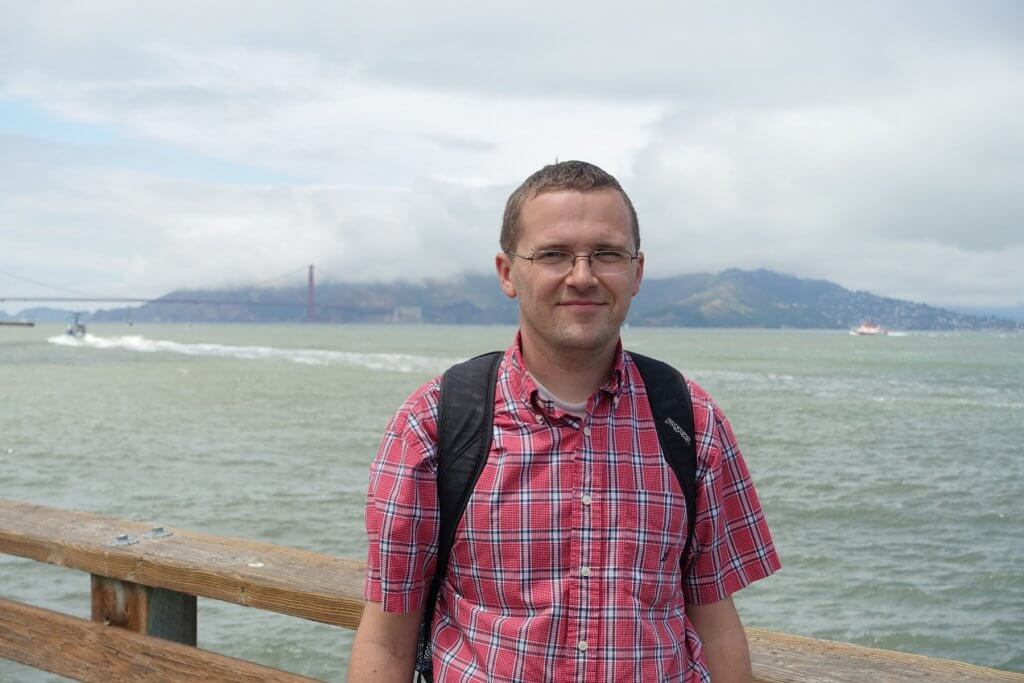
(525, 388)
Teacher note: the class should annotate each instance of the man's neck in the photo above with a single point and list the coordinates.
(571, 376)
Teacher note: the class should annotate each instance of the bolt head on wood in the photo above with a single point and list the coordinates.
(124, 539)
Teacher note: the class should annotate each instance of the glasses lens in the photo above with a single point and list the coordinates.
(610, 262)
(552, 260)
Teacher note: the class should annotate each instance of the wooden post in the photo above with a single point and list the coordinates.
(151, 611)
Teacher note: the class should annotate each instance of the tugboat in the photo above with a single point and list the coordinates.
(869, 329)
(76, 328)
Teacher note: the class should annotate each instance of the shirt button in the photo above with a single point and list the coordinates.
(582, 646)
(586, 499)
(586, 431)
(585, 571)
(540, 418)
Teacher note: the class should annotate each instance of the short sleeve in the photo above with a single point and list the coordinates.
(732, 546)
(401, 506)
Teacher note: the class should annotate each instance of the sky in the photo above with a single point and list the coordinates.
(147, 147)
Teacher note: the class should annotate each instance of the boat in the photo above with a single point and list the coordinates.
(869, 329)
(76, 328)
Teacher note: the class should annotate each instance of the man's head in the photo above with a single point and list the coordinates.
(570, 256)
(576, 176)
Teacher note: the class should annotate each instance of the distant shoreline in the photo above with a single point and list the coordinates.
(107, 324)
(758, 299)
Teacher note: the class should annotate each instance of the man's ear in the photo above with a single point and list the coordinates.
(503, 264)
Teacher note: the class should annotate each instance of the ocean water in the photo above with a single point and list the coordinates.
(889, 468)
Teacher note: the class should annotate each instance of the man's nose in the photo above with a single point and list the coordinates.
(580, 272)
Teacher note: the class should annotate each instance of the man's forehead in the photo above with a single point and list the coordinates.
(602, 210)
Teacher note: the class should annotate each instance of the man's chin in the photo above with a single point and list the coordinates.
(586, 340)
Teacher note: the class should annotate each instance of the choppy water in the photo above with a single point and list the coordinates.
(889, 468)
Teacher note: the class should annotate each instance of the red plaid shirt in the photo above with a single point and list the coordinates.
(566, 564)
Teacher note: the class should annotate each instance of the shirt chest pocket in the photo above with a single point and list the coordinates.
(647, 531)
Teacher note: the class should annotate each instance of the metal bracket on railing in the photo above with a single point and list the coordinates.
(158, 532)
(123, 539)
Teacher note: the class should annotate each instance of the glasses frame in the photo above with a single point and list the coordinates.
(574, 256)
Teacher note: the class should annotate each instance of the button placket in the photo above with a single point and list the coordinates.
(583, 585)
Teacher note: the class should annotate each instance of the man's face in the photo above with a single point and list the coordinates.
(579, 311)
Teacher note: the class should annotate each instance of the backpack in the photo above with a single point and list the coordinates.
(464, 430)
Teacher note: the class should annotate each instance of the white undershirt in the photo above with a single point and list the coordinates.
(577, 409)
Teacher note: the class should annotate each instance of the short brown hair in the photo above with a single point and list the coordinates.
(578, 176)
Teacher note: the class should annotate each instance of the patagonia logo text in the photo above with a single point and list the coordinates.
(678, 430)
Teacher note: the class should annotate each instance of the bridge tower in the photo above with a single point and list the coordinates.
(310, 297)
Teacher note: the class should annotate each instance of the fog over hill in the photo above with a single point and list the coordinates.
(731, 298)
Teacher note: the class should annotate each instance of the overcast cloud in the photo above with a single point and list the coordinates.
(145, 147)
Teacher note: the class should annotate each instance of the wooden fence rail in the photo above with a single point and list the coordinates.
(90, 651)
(145, 580)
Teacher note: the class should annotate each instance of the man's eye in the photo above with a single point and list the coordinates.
(551, 256)
(610, 256)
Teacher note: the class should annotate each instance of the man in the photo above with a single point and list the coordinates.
(566, 565)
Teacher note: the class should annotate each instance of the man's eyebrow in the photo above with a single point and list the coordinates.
(565, 246)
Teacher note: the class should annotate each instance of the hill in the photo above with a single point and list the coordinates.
(732, 298)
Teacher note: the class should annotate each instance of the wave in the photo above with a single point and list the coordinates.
(395, 362)
(739, 376)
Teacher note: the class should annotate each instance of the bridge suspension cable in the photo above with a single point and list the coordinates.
(41, 284)
(312, 307)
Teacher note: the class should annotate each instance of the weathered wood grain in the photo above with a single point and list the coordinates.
(87, 651)
(150, 611)
(287, 580)
(782, 658)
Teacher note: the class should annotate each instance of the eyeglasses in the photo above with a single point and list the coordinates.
(558, 263)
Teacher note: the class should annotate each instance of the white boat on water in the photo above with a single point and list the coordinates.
(869, 329)
(76, 328)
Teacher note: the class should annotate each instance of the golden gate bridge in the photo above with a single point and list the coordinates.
(310, 302)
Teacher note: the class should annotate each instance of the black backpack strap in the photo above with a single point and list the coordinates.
(465, 422)
(669, 398)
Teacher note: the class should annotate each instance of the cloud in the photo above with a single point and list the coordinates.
(873, 144)
(931, 173)
(297, 115)
(698, 51)
(126, 234)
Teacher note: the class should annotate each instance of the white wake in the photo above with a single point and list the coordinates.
(395, 362)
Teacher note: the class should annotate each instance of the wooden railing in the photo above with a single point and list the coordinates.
(145, 581)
